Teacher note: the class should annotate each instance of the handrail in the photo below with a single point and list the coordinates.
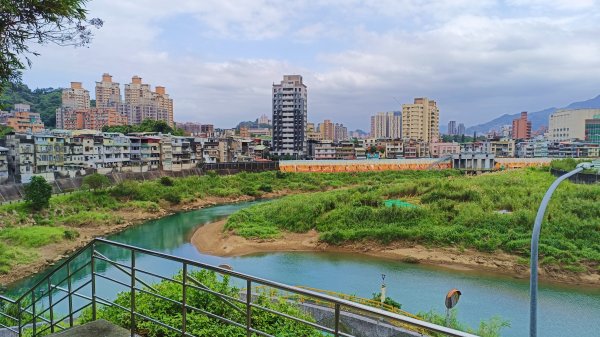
(331, 301)
(57, 268)
(285, 287)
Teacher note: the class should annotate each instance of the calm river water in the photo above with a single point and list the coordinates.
(563, 311)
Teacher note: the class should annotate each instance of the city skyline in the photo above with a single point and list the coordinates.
(219, 59)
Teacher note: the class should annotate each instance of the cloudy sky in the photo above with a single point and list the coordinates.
(218, 58)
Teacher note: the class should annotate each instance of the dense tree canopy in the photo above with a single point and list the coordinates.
(25, 23)
(147, 125)
(38, 193)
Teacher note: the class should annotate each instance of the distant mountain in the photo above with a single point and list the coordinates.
(45, 101)
(538, 118)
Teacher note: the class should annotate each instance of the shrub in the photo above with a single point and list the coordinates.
(70, 234)
(172, 197)
(166, 181)
(96, 181)
(38, 193)
(250, 190)
(265, 188)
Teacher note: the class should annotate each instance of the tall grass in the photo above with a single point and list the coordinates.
(26, 233)
(452, 211)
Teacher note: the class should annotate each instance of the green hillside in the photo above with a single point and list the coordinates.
(45, 100)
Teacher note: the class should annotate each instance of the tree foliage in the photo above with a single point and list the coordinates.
(147, 125)
(4, 130)
(38, 193)
(25, 23)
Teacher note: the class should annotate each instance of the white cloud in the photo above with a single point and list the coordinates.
(479, 59)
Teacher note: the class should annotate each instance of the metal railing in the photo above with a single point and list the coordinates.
(56, 301)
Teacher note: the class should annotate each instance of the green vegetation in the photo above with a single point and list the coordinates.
(96, 181)
(568, 164)
(106, 207)
(490, 328)
(199, 324)
(453, 211)
(4, 130)
(147, 125)
(38, 193)
(43, 101)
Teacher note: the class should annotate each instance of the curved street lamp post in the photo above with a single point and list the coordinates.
(535, 237)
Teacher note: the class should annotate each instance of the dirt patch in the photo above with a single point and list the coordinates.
(212, 239)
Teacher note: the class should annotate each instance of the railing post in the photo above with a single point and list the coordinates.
(248, 307)
(132, 312)
(93, 264)
(70, 289)
(183, 302)
(33, 320)
(20, 317)
(337, 320)
(50, 304)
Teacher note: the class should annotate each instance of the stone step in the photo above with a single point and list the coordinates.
(99, 328)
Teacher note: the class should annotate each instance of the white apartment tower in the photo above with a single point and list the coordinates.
(290, 117)
(421, 120)
(386, 125)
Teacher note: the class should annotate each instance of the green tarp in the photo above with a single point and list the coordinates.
(398, 203)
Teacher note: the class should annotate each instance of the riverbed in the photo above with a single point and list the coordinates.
(563, 310)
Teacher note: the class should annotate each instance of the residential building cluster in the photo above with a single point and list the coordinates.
(137, 104)
(68, 153)
(21, 119)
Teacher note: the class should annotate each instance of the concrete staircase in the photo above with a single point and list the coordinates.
(99, 328)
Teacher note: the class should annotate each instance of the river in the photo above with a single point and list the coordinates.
(563, 310)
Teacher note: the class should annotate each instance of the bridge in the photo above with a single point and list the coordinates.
(86, 283)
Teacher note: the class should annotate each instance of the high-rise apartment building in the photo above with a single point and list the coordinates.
(521, 127)
(452, 130)
(327, 130)
(421, 120)
(76, 97)
(290, 110)
(264, 119)
(386, 125)
(460, 129)
(108, 93)
(340, 132)
(142, 103)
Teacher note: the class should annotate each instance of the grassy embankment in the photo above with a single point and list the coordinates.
(24, 234)
(457, 211)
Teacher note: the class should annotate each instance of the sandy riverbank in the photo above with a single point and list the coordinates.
(211, 239)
